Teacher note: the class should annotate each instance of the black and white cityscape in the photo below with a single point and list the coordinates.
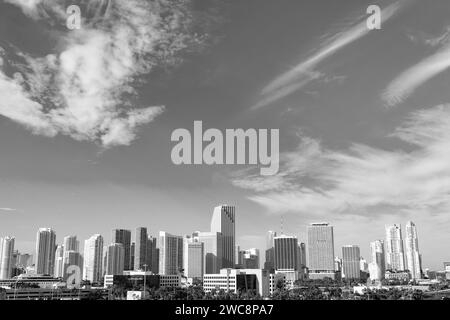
(224, 150)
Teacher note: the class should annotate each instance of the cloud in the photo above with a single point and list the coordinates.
(8, 209)
(85, 90)
(300, 75)
(363, 180)
(408, 81)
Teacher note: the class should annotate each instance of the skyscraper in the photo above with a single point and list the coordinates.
(395, 259)
(140, 249)
(213, 250)
(45, 251)
(152, 255)
(413, 258)
(377, 268)
(321, 250)
(286, 253)
(301, 255)
(350, 262)
(124, 237)
(223, 221)
(59, 262)
(270, 251)
(71, 255)
(93, 255)
(193, 258)
(115, 259)
(170, 253)
(6, 257)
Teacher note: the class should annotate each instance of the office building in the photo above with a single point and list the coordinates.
(351, 262)
(140, 249)
(124, 237)
(270, 251)
(251, 259)
(45, 251)
(286, 253)
(413, 258)
(152, 255)
(395, 259)
(115, 259)
(6, 257)
(224, 221)
(238, 280)
(170, 253)
(213, 250)
(59, 262)
(93, 259)
(193, 258)
(321, 251)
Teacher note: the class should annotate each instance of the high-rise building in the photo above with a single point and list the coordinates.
(59, 262)
(72, 258)
(193, 258)
(71, 243)
(152, 255)
(377, 267)
(270, 251)
(251, 259)
(413, 257)
(238, 258)
(395, 258)
(363, 265)
(115, 259)
(140, 249)
(24, 260)
(213, 250)
(6, 257)
(133, 245)
(301, 255)
(286, 253)
(321, 251)
(170, 253)
(124, 237)
(45, 251)
(93, 259)
(350, 262)
(224, 221)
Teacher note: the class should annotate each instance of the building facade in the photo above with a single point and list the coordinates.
(170, 253)
(6, 257)
(124, 237)
(45, 251)
(413, 258)
(395, 258)
(351, 262)
(93, 255)
(224, 221)
(321, 251)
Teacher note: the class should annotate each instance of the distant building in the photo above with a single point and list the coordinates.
(413, 258)
(251, 259)
(115, 259)
(45, 251)
(321, 251)
(270, 251)
(59, 262)
(193, 258)
(124, 237)
(152, 255)
(395, 258)
(350, 262)
(170, 253)
(377, 267)
(286, 253)
(402, 276)
(238, 280)
(213, 250)
(363, 265)
(140, 249)
(136, 278)
(6, 257)
(93, 254)
(447, 270)
(224, 221)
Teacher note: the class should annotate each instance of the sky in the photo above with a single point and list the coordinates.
(86, 117)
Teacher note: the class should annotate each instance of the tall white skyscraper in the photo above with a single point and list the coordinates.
(93, 256)
(170, 253)
(193, 258)
(59, 262)
(413, 257)
(115, 259)
(45, 251)
(395, 259)
(321, 251)
(350, 262)
(224, 221)
(377, 267)
(6, 257)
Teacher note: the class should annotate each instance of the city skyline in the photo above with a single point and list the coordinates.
(362, 114)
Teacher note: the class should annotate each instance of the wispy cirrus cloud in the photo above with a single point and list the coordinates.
(303, 73)
(86, 89)
(405, 84)
(363, 180)
(8, 209)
